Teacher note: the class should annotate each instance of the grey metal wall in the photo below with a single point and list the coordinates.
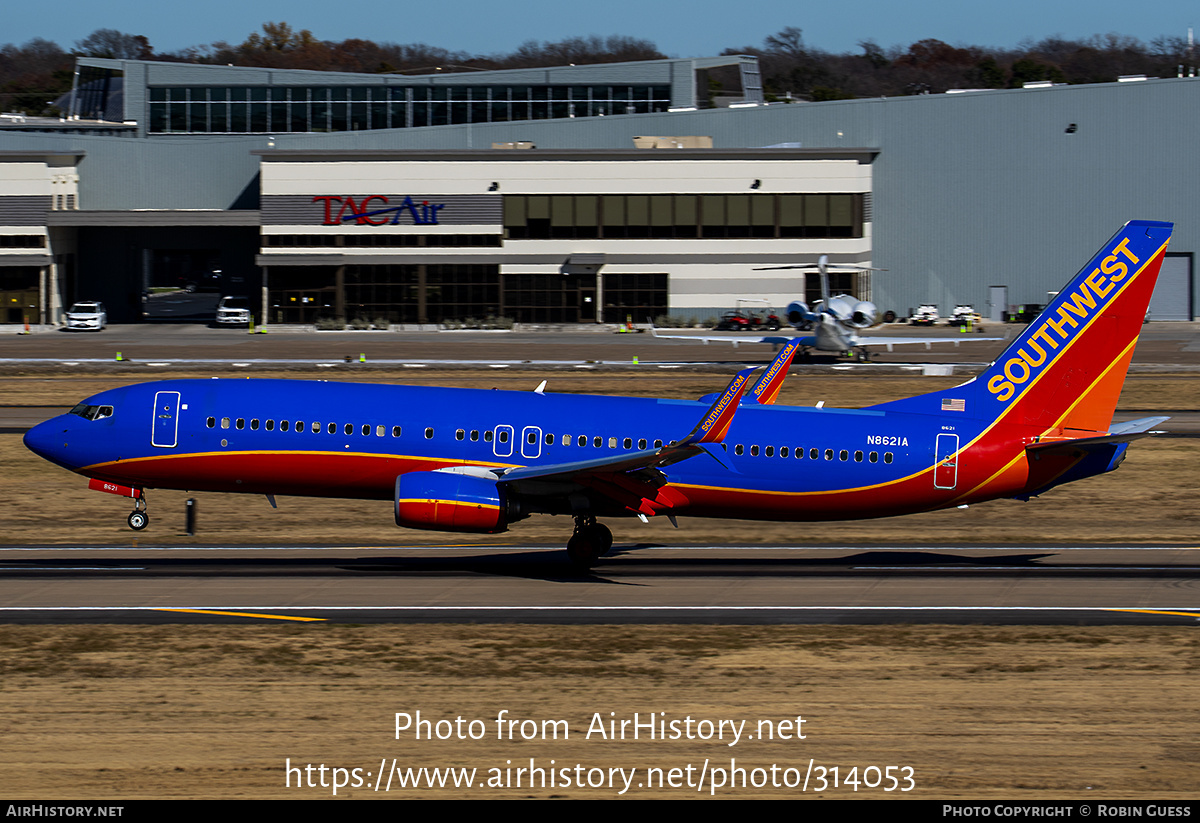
(971, 190)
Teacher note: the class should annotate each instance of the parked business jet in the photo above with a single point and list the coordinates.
(476, 461)
(835, 322)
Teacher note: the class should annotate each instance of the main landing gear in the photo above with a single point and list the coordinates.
(589, 543)
(138, 519)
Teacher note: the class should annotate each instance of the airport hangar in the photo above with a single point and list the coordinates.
(523, 193)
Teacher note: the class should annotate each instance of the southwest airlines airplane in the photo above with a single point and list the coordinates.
(475, 461)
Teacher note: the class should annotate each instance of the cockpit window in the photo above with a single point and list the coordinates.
(90, 412)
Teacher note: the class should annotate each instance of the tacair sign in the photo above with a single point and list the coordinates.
(377, 210)
(1094, 292)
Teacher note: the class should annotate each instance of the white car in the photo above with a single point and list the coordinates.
(87, 316)
(234, 311)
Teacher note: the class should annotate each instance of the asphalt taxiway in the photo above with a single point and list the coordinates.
(634, 584)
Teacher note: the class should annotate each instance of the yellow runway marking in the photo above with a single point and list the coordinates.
(1158, 611)
(243, 614)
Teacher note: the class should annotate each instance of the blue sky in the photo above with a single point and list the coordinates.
(688, 29)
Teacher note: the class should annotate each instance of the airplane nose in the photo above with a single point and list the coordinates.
(49, 440)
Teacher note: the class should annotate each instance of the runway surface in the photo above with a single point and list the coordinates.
(634, 584)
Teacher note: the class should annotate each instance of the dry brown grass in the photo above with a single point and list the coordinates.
(977, 712)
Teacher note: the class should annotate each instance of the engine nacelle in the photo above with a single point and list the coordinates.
(450, 502)
(798, 312)
(865, 315)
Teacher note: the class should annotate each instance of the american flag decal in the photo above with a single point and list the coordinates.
(953, 405)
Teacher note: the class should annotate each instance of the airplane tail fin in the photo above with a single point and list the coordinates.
(1066, 369)
(1064, 372)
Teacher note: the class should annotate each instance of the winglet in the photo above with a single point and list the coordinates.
(712, 428)
(767, 387)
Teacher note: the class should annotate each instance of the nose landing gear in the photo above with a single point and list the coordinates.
(138, 519)
(589, 543)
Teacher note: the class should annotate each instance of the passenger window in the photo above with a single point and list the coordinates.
(583, 440)
(283, 425)
(331, 428)
(658, 444)
(348, 428)
(474, 435)
(366, 430)
(769, 451)
(299, 427)
(270, 425)
(254, 424)
(844, 455)
(829, 454)
(429, 433)
(642, 443)
(858, 456)
(814, 454)
(873, 457)
(754, 451)
(738, 449)
(224, 422)
(531, 438)
(316, 427)
(395, 431)
(887, 457)
(627, 443)
(597, 441)
(566, 439)
(460, 434)
(211, 422)
(487, 436)
(241, 423)
(783, 451)
(549, 440)
(502, 436)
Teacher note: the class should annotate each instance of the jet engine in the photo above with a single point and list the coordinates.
(858, 314)
(798, 312)
(452, 502)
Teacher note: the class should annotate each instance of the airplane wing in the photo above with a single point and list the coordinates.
(810, 341)
(634, 479)
(912, 341)
(774, 339)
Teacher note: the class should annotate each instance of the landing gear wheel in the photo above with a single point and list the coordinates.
(138, 520)
(590, 542)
